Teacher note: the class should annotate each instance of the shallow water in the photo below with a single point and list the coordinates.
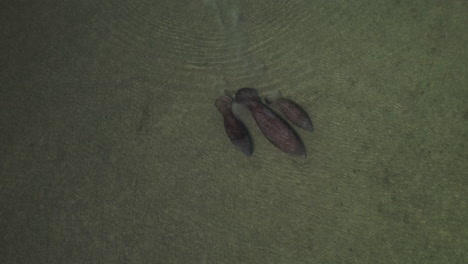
(113, 151)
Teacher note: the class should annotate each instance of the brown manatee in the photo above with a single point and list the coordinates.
(274, 127)
(235, 129)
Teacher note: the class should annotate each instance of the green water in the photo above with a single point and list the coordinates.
(113, 151)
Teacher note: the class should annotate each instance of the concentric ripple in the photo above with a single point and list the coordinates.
(241, 40)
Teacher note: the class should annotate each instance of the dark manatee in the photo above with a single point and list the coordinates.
(275, 128)
(235, 129)
(292, 111)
